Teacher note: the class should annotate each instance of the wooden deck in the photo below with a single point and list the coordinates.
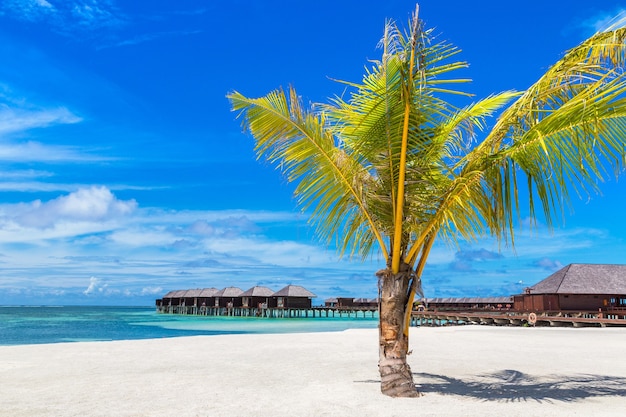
(418, 318)
(512, 318)
(275, 312)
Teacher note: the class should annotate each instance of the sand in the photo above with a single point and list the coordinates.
(462, 371)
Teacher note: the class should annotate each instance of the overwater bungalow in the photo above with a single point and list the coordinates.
(207, 297)
(294, 296)
(577, 287)
(331, 302)
(190, 297)
(467, 303)
(259, 297)
(174, 298)
(350, 302)
(228, 297)
(366, 302)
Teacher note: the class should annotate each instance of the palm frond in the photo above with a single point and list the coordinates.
(561, 134)
(330, 181)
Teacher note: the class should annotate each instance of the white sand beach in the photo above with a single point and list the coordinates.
(462, 371)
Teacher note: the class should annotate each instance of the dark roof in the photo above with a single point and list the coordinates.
(229, 292)
(294, 291)
(193, 293)
(208, 292)
(175, 294)
(584, 279)
(257, 291)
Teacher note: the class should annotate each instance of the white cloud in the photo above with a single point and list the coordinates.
(29, 173)
(548, 264)
(92, 14)
(29, 10)
(93, 286)
(605, 21)
(151, 291)
(149, 37)
(143, 253)
(37, 152)
(617, 21)
(19, 119)
(95, 204)
(66, 15)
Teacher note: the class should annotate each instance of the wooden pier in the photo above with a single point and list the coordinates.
(272, 312)
(513, 318)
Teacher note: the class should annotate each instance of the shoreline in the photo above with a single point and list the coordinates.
(464, 370)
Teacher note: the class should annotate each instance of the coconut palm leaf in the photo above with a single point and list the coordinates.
(396, 164)
(563, 134)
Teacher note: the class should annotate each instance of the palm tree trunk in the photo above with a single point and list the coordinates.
(395, 373)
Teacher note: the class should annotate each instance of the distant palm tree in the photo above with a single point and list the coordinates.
(395, 165)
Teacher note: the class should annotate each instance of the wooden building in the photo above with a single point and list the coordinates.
(228, 297)
(190, 297)
(331, 302)
(466, 303)
(294, 296)
(207, 297)
(577, 287)
(174, 298)
(351, 302)
(290, 301)
(366, 302)
(258, 297)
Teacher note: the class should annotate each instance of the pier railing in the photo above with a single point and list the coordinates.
(608, 318)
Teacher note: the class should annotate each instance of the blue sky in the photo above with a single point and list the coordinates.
(124, 174)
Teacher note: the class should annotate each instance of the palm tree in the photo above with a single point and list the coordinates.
(397, 165)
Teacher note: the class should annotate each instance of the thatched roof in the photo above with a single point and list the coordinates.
(294, 291)
(229, 292)
(584, 279)
(176, 294)
(193, 293)
(170, 294)
(208, 292)
(258, 291)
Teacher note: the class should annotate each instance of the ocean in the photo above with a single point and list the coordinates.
(36, 325)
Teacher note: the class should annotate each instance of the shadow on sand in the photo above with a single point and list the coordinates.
(515, 386)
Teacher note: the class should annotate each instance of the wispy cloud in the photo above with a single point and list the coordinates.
(62, 240)
(605, 20)
(149, 37)
(466, 258)
(38, 152)
(17, 120)
(548, 264)
(95, 14)
(66, 16)
(29, 10)
(19, 116)
(24, 174)
(92, 244)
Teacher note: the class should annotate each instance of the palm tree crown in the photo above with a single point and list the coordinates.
(347, 156)
(398, 164)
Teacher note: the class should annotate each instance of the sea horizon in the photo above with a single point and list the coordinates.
(24, 325)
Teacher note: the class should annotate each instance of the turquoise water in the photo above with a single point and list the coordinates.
(34, 325)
